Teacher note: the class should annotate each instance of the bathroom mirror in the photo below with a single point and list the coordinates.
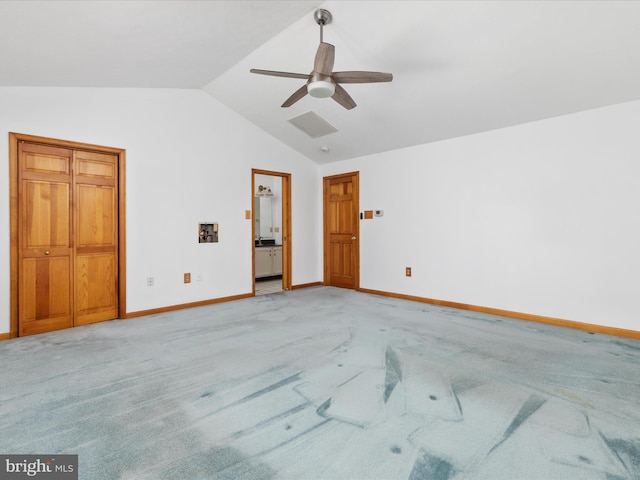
(263, 217)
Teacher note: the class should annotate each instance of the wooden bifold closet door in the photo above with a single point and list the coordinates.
(68, 231)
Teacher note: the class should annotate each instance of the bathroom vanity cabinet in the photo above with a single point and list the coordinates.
(268, 261)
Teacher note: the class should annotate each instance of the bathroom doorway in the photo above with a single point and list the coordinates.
(271, 231)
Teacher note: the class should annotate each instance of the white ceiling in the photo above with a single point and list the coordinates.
(459, 67)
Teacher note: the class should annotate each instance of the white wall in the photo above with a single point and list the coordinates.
(542, 218)
(189, 160)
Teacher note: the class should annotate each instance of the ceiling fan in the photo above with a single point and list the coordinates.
(323, 82)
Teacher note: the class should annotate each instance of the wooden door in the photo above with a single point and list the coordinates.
(46, 249)
(68, 237)
(286, 231)
(341, 245)
(95, 216)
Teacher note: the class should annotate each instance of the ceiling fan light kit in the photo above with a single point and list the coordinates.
(321, 89)
(323, 82)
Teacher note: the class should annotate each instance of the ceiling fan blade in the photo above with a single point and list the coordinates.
(361, 77)
(325, 57)
(343, 98)
(280, 74)
(297, 95)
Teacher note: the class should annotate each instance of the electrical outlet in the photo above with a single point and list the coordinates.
(187, 278)
(150, 281)
(408, 271)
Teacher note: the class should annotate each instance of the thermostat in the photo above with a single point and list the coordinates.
(378, 213)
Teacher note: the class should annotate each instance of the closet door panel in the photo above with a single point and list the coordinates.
(45, 250)
(96, 227)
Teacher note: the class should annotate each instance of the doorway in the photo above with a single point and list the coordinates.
(341, 230)
(67, 223)
(271, 231)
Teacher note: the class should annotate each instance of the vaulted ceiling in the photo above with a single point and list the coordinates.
(459, 67)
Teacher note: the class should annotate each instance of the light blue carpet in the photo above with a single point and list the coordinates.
(325, 383)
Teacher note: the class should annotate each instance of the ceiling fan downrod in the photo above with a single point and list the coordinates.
(323, 17)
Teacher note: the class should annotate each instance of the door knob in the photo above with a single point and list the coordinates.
(353, 238)
(47, 252)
